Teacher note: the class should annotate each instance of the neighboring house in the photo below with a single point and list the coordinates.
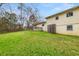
(66, 22)
(38, 26)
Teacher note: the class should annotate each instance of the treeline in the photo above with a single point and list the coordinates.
(8, 23)
(24, 20)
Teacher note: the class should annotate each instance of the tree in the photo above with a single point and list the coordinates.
(31, 14)
(8, 21)
(20, 7)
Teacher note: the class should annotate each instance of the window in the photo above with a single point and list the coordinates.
(69, 27)
(69, 14)
(57, 18)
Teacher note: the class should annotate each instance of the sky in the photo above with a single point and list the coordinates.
(45, 9)
(53, 8)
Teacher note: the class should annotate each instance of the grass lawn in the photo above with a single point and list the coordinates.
(29, 43)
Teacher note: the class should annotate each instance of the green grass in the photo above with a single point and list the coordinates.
(29, 43)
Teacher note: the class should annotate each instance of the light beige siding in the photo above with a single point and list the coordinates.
(45, 27)
(63, 21)
(39, 25)
(63, 30)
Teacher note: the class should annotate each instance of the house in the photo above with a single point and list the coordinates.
(65, 22)
(38, 25)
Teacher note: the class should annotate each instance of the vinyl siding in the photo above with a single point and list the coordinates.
(63, 21)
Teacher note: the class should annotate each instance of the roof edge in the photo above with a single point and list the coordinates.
(61, 12)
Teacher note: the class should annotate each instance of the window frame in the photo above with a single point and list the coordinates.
(69, 27)
(57, 17)
(69, 14)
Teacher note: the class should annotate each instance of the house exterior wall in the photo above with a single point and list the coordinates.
(38, 27)
(63, 21)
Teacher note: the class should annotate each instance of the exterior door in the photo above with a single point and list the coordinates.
(51, 28)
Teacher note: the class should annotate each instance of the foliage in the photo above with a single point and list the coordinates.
(31, 14)
(10, 21)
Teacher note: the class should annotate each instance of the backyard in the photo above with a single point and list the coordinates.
(36, 43)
